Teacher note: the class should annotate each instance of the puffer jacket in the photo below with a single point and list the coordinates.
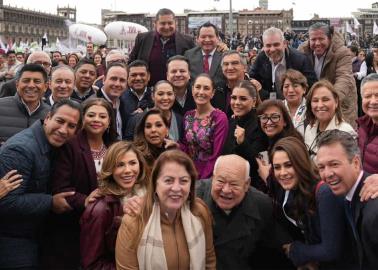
(14, 116)
(368, 143)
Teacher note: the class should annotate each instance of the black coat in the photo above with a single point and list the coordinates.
(261, 70)
(255, 142)
(242, 236)
(366, 220)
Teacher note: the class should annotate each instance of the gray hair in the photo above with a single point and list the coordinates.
(31, 58)
(243, 58)
(60, 67)
(273, 31)
(325, 28)
(373, 77)
(112, 52)
(345, 139)
(246, 163)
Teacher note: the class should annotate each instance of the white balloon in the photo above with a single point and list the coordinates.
(124, 30)
(87, 33)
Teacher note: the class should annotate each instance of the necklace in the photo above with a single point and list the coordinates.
(98, 155)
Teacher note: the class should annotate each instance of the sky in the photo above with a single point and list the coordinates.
(89, 11)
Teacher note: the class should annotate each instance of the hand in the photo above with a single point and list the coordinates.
(222, 47)
(256, 84)
(369, 189)
(95, 194)
(139, 110)
(286, 249)
(60, 204)
(239, 134)
(133, 206)
(9, 182)
(263, 169)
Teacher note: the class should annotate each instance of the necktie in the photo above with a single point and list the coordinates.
(206, 67)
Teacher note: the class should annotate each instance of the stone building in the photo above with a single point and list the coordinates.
(255, 22)
(24, 25)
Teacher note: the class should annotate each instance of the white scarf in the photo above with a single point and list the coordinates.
(151, 255)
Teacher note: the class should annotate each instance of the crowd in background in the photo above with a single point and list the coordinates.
(256, 153)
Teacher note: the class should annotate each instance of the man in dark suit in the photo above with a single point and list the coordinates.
(339, 164)
(178, 75)
(115, 82)
(205, 58)
(244, 230)
(273, 62)
(156, 47)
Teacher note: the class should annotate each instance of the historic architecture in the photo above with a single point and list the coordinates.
(23, 25)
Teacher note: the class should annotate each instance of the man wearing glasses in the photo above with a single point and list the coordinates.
(41, 58)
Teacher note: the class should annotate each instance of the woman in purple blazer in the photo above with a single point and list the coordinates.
(205, 128)
(76, 168)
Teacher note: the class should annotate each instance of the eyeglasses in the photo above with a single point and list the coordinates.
(274, 118)
(45, 64)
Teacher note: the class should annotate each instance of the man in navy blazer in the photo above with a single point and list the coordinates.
(207, 41)
(276, 57)
(339, 164)
(156, 47)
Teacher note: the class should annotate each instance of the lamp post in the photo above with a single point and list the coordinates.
(230, 20)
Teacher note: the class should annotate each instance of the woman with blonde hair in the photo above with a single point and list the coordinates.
(124, 174)
(174, 229)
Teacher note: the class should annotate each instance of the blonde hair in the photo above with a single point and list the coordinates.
(107, 184)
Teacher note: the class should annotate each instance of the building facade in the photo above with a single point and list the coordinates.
(21, 25)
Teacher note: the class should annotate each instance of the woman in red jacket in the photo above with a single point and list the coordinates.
(124, 174)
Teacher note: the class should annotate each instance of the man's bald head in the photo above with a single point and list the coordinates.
(40, 58)
(230, 181)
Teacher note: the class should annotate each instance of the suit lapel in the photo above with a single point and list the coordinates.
(148, 47)
(88, 160)
(217, 57)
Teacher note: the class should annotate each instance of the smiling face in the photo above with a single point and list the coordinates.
(138, 79)
(319, 42)
(62, 83)
(85, 77)
(336, 169)
(370, 100)
(61, 126)
(232, 67)
(127, 170)
(164, 96)
(202, 90)
(178, 74)
(229, 183)
(272, 122)
(115, 82)
(155, 130)
(30, 87)
(96, 120)
(274, 47)
(241, 102)
(207, 39)
(293, 92)
(284, 170)
(172, 187)
(323, 105)
(165, 25)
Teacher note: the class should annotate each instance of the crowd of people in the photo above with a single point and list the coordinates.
(185, 154)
